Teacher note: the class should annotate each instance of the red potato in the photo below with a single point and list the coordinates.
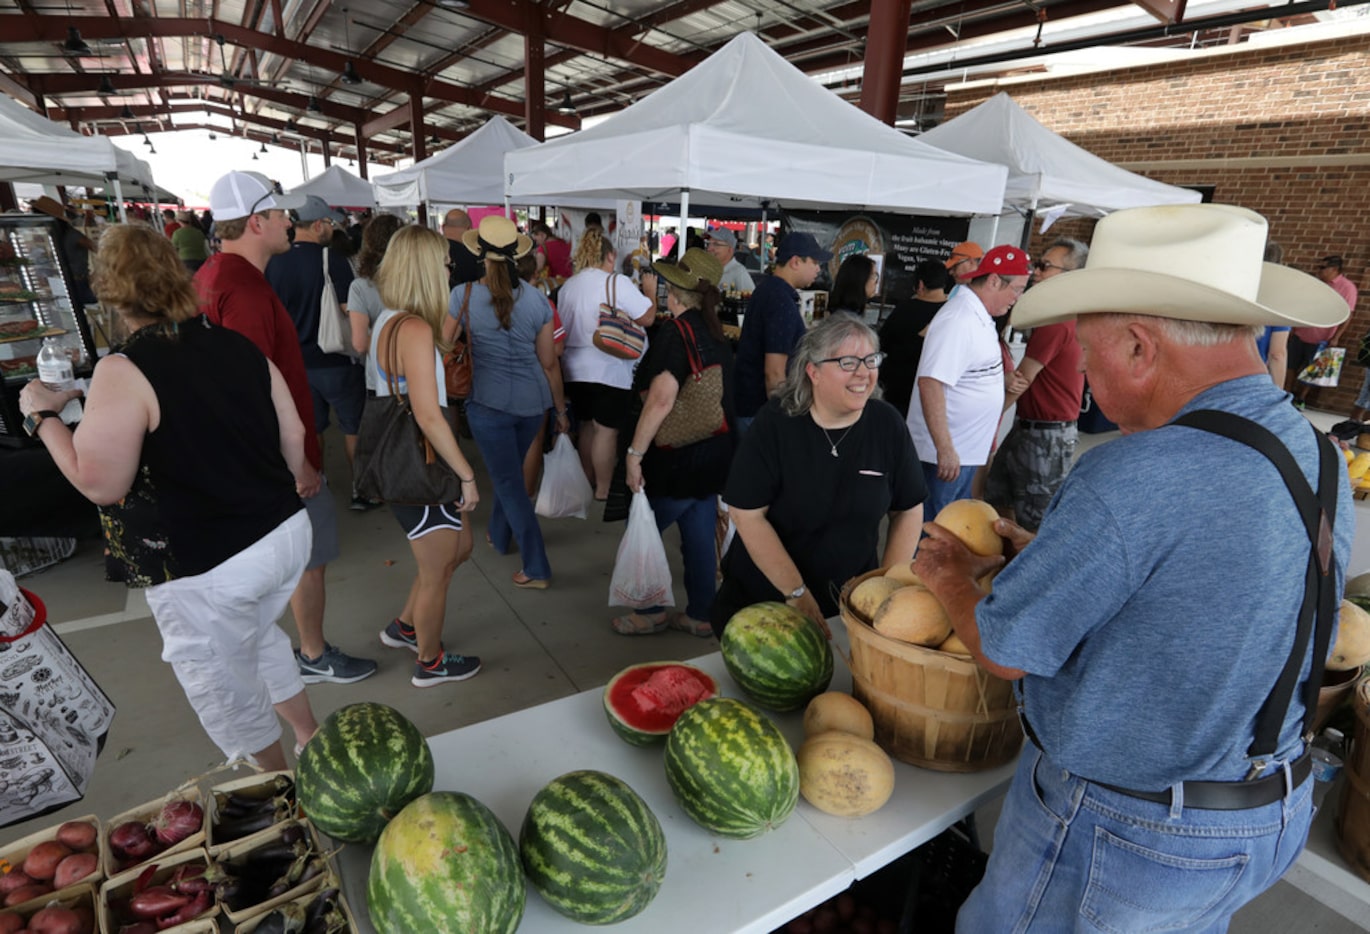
(77, 835)
(57, 920)
(11, 923)
(41, 863)
(14, 879)
(74, 868)
(21, 895)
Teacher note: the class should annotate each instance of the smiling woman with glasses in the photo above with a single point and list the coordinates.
(825, 461)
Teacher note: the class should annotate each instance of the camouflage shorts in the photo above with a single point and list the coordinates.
(1027, 470)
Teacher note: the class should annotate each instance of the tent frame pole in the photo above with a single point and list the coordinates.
(684, 223)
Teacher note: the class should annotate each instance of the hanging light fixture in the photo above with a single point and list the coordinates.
(147, 142)
(106, 87)
(314, 107)
(263, 149)
(151, 150)
(434, 140)
(213, 136)
(349, 74)
(254, 157)
(566, 106)
(75, 45)
(290, 126)
(126, 113)
(276, 138)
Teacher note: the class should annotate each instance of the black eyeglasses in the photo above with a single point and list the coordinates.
(850, 363)
(1042, 266)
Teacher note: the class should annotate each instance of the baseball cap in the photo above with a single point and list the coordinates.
(239, 194)
(723, 235)
(964, 251)
(1004, 260)
(801, 244)
(317, 209)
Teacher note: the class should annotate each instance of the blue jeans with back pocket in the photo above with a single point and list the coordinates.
(1071, 855)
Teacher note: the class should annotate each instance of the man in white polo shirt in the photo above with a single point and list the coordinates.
(961, 378)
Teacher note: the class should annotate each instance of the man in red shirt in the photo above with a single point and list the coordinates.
(1048, 385)
(253, 221)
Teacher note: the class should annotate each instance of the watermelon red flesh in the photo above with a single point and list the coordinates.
(445, 864)
(643, 701)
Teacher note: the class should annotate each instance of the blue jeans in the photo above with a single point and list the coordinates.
(1070, 855)
(503, 440)
(696, 520)
(940, 492)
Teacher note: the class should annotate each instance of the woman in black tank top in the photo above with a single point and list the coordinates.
(191, 446)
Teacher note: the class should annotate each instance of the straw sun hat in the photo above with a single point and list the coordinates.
(695, 266)
(1193, 262)
(497, 236)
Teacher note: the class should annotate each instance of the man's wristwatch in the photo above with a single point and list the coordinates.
(797, 592)
(34, 419)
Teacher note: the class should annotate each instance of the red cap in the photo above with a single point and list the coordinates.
(1005, 260)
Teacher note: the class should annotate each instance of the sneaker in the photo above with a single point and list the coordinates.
(399, 636)
(335, 666)
(448, 667)
(362, 504)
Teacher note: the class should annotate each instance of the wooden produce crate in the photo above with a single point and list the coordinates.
(12, 858)
(122, 887)
(145, 813)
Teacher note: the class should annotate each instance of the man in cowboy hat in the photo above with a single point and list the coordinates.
(961, 377)
(1166, 624)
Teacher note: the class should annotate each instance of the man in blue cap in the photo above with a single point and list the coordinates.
(773, 325)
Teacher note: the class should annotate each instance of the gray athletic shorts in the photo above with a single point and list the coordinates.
(323, 517)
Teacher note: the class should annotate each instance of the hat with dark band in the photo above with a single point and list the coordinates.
(497, 236)
(694, 267)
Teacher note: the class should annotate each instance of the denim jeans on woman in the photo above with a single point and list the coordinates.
(696, 519)
(503, 440)
(1070, 855)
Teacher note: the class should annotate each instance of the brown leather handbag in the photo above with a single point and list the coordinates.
(457, 361)
(698, 410)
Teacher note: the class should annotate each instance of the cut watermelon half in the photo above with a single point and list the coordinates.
(643, 701)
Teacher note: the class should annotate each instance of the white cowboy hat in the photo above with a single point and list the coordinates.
(1194, 262)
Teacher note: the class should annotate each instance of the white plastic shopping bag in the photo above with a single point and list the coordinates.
(642, 578)
(565, 492)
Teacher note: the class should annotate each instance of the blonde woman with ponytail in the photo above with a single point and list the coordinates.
(516, 378)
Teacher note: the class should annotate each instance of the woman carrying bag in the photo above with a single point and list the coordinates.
(412, 281)
(683, 402)
(515, 378)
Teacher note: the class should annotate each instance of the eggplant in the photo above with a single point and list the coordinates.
(288, 919)
(244, 825)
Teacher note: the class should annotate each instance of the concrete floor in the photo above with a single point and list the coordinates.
(535, 646)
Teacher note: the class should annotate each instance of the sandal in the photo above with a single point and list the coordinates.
(531, 583)
(695, 627)
(635, 624)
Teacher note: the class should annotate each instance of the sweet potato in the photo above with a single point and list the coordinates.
(73, 869)
(41, 863)
(76, 835)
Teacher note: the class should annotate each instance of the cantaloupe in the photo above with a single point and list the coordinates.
(867, 596)
(913, 614)
(1352, 648)
(972, 521)
(844, 775)
(954, 645)
(903, 573)
(835, 711)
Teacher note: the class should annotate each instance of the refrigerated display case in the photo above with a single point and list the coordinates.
(35, 303)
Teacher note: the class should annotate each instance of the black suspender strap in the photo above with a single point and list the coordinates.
(1319, 513)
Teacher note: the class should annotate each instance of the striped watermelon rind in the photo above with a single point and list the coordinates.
(592, 848)
(362, 766)
(730, 769)
(777, 655)
(635, 723)
(445, 864)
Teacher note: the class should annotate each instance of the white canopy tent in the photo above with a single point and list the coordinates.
(36, 150)
(746, 127)
(1047, 170)
(339, 188)
(470, 172)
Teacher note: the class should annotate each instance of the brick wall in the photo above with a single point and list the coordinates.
(1284, 131)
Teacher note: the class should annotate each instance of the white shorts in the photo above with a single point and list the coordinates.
(220, 636)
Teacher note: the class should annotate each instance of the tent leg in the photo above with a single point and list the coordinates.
(119, 200)
(1028, 218)
(684, 221)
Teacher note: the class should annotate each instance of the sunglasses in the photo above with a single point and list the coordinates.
(851, 362)
(1042, 266)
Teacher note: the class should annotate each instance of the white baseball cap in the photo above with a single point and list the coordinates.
(239, 194)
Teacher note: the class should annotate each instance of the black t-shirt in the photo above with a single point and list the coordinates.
(826, 509)
(902, 345)
(695, 470)
(465, 266)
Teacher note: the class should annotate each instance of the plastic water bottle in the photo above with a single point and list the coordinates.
(54, 366)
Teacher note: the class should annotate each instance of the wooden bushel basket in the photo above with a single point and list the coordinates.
(931, 709)
(1353, 816)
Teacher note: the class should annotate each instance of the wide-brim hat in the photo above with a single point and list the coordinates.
(497, 236)
(49, 206)
(1192, 262)
(687, 272)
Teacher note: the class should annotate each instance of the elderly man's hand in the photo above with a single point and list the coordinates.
(942, 559)
(1016, 538)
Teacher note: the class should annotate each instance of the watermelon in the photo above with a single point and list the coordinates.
(445, 865)
(730, 769)
(643, 701)
(777, 655)
(592, 848)
(362, 766)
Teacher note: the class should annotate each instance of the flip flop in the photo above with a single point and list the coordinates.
(636, 625)
(530, 583)
(695, 627)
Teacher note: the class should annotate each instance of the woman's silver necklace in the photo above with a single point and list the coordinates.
(832, 445)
